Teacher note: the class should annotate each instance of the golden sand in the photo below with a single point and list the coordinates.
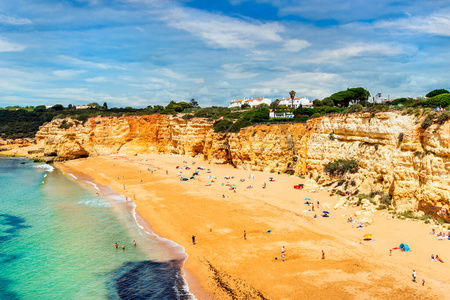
(223, 265)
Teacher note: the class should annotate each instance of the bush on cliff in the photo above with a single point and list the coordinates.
(341, 166)
(427, 121)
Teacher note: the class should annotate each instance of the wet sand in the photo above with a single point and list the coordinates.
(223, 265)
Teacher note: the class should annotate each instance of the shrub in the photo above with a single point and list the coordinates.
(381, 207)
(443, 117)
(401, 135)
(222, 125)
(406, 214)
(241, 123)
(188, 117)
(427, 121)
(341, 166)
(316, 115)
(331, 136)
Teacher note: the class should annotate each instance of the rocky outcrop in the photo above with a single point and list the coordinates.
(395, 154)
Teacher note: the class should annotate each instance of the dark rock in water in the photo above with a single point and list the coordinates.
(149, 280)
(22, 162)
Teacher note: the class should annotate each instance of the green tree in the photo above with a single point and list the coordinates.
(274, 105)
(292, 94)
(193, 103)
(40, 108)
(57, 107)
(93, 105)
(317, 103)
(105, 105)
(436, 92)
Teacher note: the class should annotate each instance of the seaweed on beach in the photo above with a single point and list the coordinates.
(235, 288)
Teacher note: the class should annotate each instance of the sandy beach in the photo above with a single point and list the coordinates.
(224, 265)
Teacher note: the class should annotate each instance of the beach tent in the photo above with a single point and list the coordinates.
(404, 248)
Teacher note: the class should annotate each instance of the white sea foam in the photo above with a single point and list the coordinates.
(95, 202)
(93, 184)
(47, 167)
(73, 176)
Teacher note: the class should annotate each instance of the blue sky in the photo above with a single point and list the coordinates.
(146, 52)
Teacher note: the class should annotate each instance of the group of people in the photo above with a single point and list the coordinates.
(441, 235)
(439, 109)
(436, 258)
(123, 245)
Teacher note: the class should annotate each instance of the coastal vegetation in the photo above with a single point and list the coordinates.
(23, 122)
(341, 167)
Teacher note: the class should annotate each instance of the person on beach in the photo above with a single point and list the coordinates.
(317, 204)
(414, 275)
(193, 239)
(123, 247)
(264, 185)
(423, 282)
(323, 255)
(116, 245)
(134, 243)
(282, 256)
(245, 235)
(167, 172)
(390, 252)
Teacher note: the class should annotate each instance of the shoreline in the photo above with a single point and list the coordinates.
(176, 251)
(177, 209)
(353, 268)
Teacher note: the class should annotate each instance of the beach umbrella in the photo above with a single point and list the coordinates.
(325, 212)
(233, 185)
(270, 178)
(307, 199)
(367, 236)
(360, 224)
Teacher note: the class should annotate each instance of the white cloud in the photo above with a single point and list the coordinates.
(13, 20)
(296, 45)
(314, 84)
(178, 76)
(88, 64)
(6, 46)
(97, 79)
(236, 71)
(223, 31)
(67, 74)
(362, 50)
(436, 24)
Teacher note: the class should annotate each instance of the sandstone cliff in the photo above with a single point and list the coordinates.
(395, 154)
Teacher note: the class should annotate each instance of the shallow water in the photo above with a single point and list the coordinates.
(57, 241)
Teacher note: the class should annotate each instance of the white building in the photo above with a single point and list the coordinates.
(380, 99)
(297, 102)
(252, 102)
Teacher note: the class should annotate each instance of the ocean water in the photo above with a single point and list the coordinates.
(57, 241)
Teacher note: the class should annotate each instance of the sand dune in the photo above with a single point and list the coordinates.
(223, 265)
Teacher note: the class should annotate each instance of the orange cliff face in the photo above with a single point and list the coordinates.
(414, 169)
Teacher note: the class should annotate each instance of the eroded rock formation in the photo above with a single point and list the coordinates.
(395, 154)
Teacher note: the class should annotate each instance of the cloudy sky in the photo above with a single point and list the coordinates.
(146, 52)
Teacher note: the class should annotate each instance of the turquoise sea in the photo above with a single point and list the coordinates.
(57, 240)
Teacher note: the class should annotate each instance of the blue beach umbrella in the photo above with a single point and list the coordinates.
(325, 212)
(307, 199)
